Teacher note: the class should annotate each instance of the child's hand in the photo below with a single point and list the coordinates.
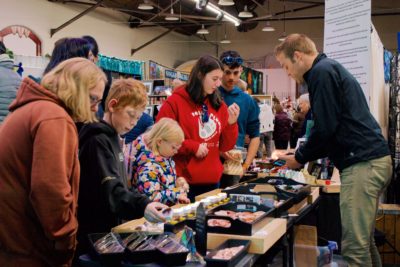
(182, 184)
(183, 199)
(154, 212)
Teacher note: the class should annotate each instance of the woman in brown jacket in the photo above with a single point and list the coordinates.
(39, 167)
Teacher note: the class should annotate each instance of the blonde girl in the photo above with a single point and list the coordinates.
(154, 171)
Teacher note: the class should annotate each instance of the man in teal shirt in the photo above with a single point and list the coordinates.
(248, 121)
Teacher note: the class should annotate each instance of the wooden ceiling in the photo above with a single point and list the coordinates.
(191, 18)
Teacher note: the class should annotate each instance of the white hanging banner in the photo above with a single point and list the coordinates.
(347, 37)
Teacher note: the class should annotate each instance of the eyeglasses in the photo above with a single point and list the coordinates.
(228, 60)
(204, 113)
(94, 100)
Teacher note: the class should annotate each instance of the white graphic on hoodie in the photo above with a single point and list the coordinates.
(207, 129)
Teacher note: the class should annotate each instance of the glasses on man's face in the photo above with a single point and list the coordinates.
(204, 113)
(94, 100)
(228, 60)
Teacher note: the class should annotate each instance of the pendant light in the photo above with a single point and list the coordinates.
(226, 3)
(171, 16)
(225, 40)
(283, 35)
(245, 13)
(268, 27)
(202, 30)
(145, 5)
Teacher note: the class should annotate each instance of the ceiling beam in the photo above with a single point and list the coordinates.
(134, 50)
(281, 13)
(54, 31)
(162, 11)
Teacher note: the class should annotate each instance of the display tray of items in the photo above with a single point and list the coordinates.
(186, 216)
(238, 218)
(288, 187)
(228, 254)
(269, 165)
(138, 248)
(262, 194)
(249, 175)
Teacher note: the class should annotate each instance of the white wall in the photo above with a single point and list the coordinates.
(115, 38)
(280, 84)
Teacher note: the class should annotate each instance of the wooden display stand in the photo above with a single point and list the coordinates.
(314, 195)
(334, 186)
(128, 227)
(260, 242)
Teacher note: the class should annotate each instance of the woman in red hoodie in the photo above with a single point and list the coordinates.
(208, 124)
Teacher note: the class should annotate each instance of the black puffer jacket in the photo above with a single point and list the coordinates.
(344, 128)
(104, 198)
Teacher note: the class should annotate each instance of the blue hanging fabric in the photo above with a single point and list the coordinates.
(387, 58)
(133, 67)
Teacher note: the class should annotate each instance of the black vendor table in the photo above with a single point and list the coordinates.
(284, 244)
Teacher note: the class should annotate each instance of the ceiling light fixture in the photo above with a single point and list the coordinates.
(283, 35)
(225, 40)
(202, 30)
(226, 3)
(171, 16)
(145, 5)
(268, 27)
(245, 13)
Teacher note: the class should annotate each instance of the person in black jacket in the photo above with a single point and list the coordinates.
(104, 198)
(346, 132)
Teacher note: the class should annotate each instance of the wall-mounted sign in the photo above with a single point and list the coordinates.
(183, 77)
(171, 74)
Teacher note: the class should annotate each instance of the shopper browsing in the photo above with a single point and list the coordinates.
(348, 134)
(39, 167)
(153, 169)
(9, 81)
(282, 128)
(104, 197)
(208, 124)
(248, 121)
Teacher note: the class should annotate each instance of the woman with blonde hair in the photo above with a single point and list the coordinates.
(153, 170)
(39, 167)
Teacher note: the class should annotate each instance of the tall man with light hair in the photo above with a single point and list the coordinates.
(346, 132)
